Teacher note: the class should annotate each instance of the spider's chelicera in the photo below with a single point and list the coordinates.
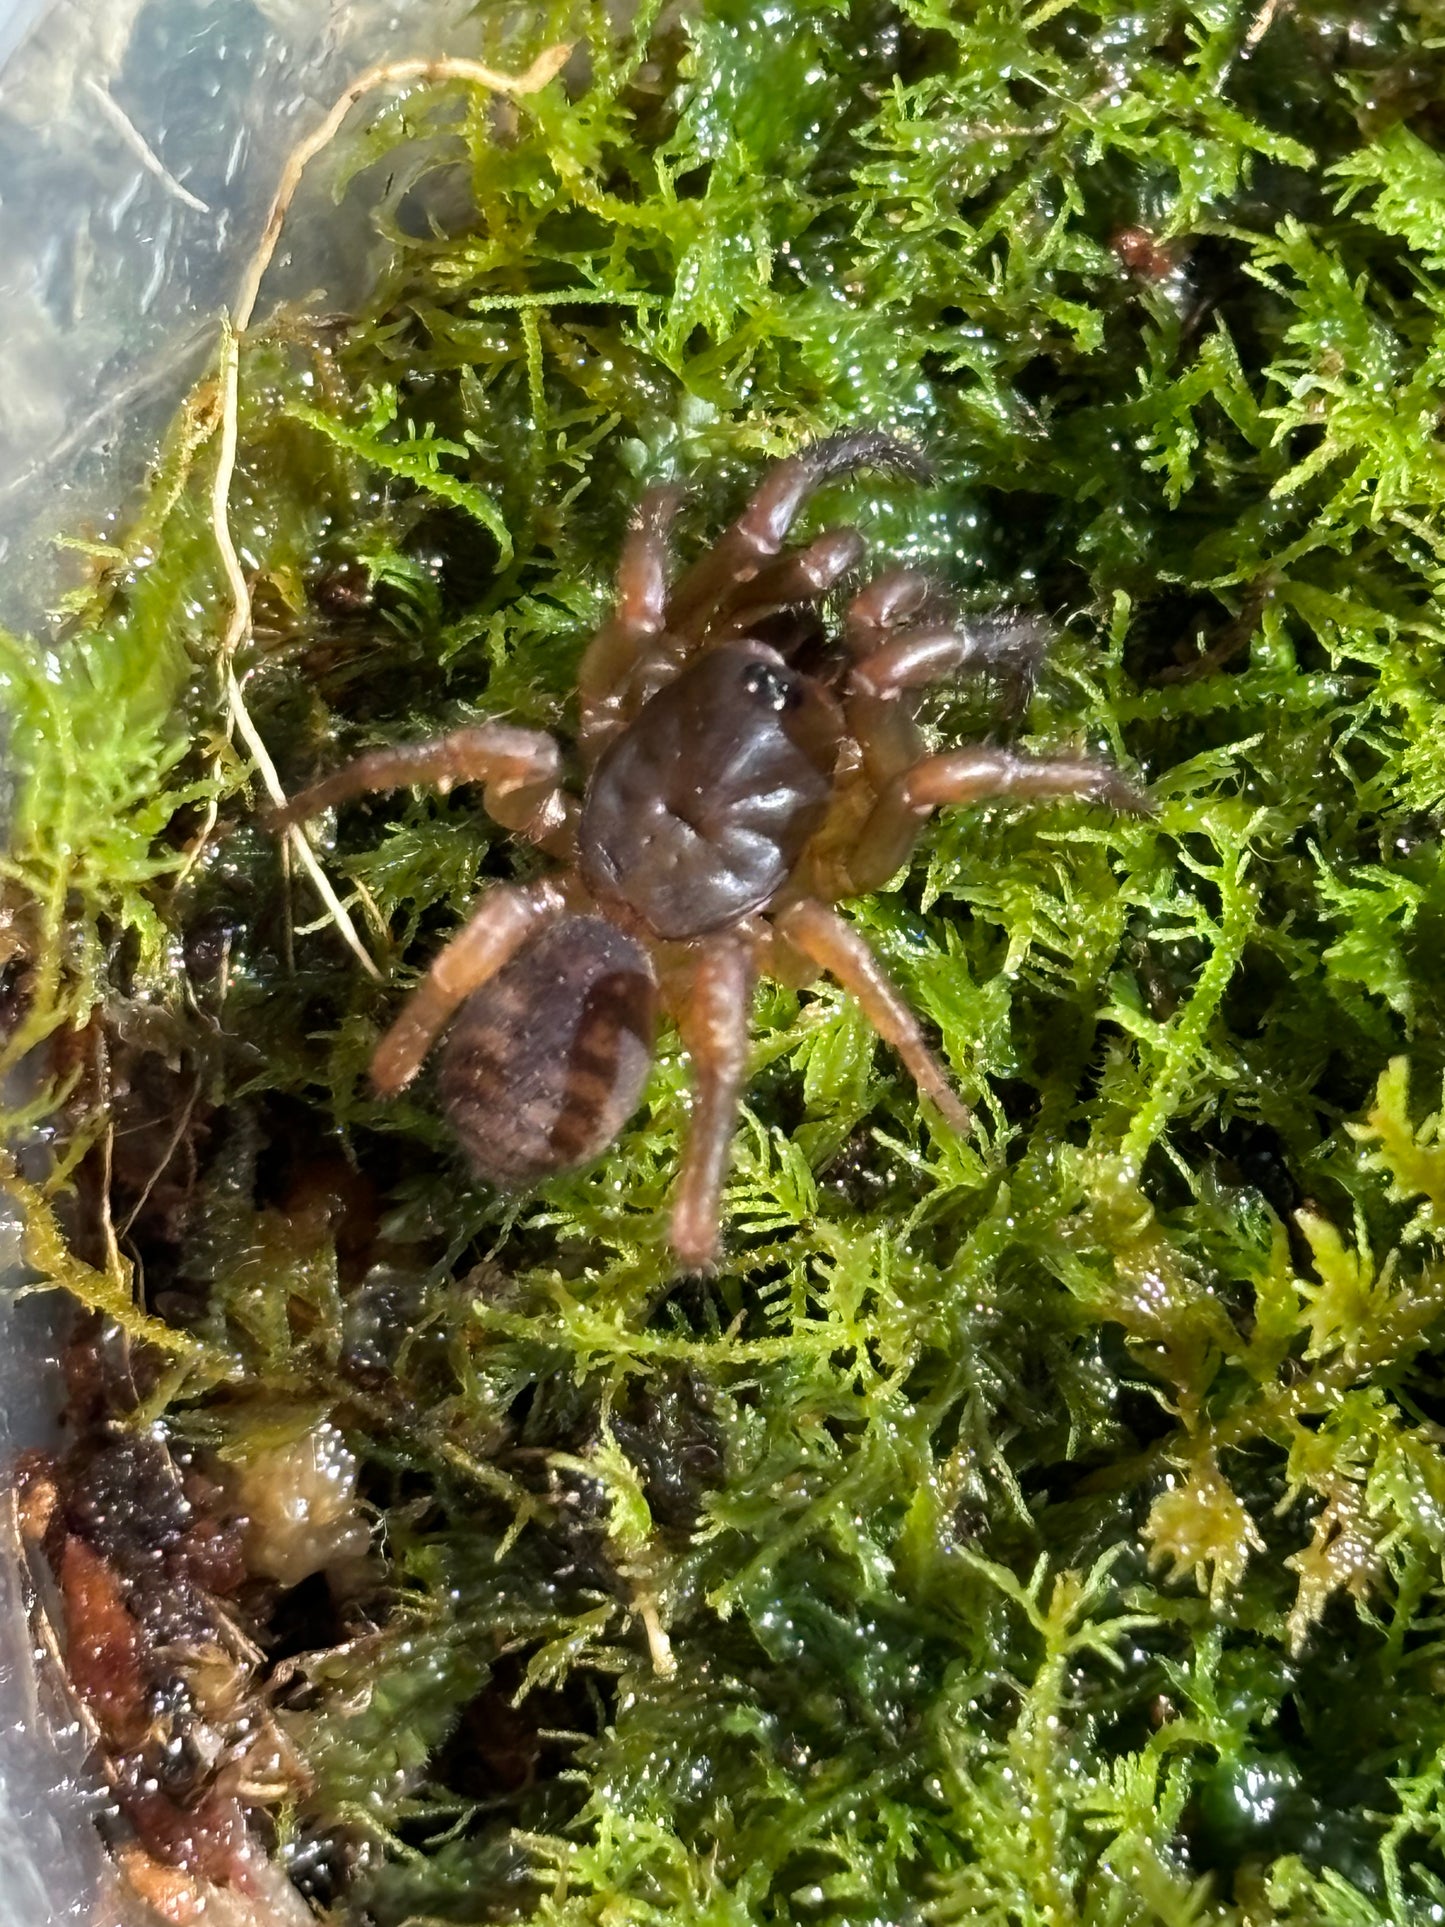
(742, 776)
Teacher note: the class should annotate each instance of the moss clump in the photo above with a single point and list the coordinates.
(1043, 1528)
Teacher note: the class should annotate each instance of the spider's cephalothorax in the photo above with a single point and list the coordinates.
(732, 797)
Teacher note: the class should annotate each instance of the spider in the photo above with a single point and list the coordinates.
(742, 776)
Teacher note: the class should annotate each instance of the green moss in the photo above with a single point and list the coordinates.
(1046, 1527)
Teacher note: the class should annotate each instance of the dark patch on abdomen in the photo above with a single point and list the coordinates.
(544, 1065)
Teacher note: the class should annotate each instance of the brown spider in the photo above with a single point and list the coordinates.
(731, 797)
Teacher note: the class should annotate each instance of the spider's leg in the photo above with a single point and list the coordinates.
(882, 724)
(614, 653)
(519, 769)
(925, 653)
(823, 937)
(713, 1023)
(506, 917)
(881, 607)
(919, 656)
(973, 775)
(760, 531)
(898, 649)
(789, 581)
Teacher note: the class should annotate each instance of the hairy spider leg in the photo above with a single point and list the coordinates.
(892, 651)
(928, 652)
(974, 775)
(760, 531)
(611, 660)
(882, 726)
(897, 651)
(791, 580)
(712, 1020)
(519, 770)
(742, 579)
(880, 606)
(886, 612)
(821, 935)
(507, 916)
(880, 738)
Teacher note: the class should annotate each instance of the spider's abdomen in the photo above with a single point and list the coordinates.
(546, 1062)
(698, 812)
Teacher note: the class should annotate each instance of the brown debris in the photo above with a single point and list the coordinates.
(144, 1550)
(104, 1646)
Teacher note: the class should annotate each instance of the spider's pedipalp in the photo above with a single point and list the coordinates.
(823, 937)
(713, 1024)
(508, 915)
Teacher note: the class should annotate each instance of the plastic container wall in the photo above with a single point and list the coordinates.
(140, 144)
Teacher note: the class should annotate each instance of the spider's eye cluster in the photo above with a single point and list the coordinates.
(769, 687)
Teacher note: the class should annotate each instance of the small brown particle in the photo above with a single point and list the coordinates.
(104, 1644)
